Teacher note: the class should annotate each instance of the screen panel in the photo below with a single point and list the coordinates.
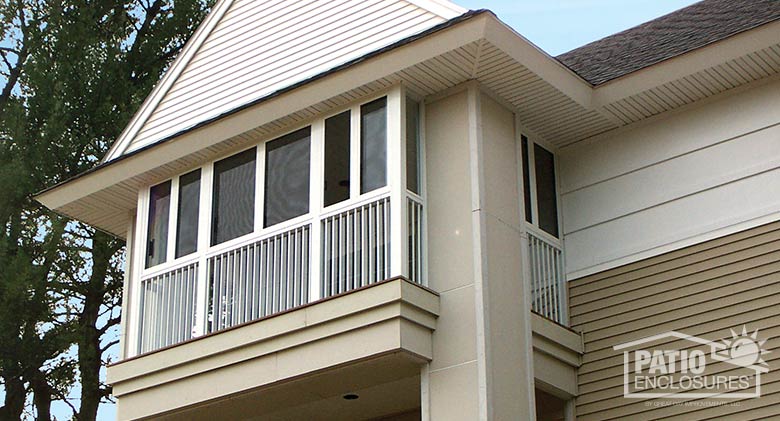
(287, 171)
(157, 229)
(337, 147)
(373, 145)
(233, 205)
(187, 216)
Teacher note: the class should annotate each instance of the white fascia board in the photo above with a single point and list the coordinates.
(169, 78)
(686, 64)
(537, 61)
(270, 109)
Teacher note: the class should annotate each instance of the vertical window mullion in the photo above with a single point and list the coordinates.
(355, 153)
(173, 219)
(204, 240)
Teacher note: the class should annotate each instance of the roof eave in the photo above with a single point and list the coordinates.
(680, 66)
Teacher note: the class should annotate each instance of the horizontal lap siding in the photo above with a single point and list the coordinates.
(703, 290)
(260, 47)
(707, 171)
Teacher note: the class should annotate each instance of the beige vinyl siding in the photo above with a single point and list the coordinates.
(259, 47)
(703, 290)
(672, 181)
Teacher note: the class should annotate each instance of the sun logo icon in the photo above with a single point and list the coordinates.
(744, 350)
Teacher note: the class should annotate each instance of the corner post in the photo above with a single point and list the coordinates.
(396, 178)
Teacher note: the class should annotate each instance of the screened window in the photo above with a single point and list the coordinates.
(540, 195)
(337, 145)
(187, 217)
(373, 145)
(287, 169)
(526, 179)
(412, 146)
(546, 200)
(233, 206)
(157, 232)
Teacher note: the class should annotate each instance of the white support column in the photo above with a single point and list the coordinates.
(204, 239)
(315, 205)
(525, 328)
(396, 179)
(138, 261)
(423, 188)
(128, 290)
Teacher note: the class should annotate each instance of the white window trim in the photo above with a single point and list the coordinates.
(533, 226)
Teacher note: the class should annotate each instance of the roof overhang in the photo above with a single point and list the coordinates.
(734, 61)
(550, 100)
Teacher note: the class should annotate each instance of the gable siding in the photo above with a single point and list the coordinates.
(260, 47)
(673, 181)
(703, 290)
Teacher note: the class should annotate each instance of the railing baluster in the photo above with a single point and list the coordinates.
(167, 308)
(547, 278)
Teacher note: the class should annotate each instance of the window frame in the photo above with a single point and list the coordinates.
(533, 225)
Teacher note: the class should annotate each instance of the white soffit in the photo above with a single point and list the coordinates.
(248, 49)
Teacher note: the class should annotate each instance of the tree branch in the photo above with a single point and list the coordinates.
(108, 345)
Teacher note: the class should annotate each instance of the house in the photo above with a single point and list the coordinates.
(401, 209)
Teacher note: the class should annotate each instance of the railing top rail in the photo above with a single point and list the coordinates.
(544, 237)
(351, 204)
(180, 263)
(266, 234)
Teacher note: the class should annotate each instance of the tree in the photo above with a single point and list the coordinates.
(74, 72)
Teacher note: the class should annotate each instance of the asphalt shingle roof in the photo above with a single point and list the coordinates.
(671, 35)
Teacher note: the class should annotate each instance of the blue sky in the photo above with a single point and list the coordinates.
(556, 27)
(562, 25)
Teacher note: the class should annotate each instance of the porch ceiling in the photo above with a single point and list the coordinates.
(551, 101)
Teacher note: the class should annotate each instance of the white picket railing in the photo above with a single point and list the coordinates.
(548, 288)
(168, 308)
(258, 279)
(416, 247)
(356, 247)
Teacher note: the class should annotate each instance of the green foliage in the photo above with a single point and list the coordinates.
(72, 72)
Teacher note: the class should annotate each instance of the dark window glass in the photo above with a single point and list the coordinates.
(337, 158)
(526, 178)
(287, 167)
(157, 232)
(412, 146)
(187, 219)
(373, 145)
(233, 205)
(546, 202)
